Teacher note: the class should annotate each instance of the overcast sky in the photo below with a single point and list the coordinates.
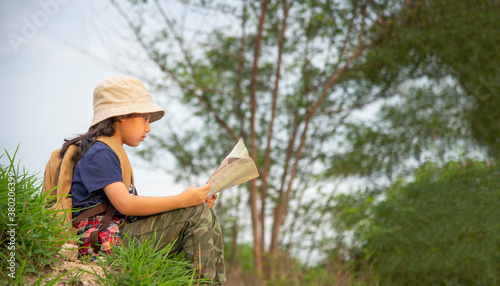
(46, 84)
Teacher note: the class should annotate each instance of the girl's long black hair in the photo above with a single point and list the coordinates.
(83, 141)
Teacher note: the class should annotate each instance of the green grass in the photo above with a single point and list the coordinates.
(145, 263)
(29, 232)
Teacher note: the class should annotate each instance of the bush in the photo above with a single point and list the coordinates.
(441, 229)
(30, 235)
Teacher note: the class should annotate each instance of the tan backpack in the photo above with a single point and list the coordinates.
(57, 180)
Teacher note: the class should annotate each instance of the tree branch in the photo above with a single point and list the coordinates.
(169, 72)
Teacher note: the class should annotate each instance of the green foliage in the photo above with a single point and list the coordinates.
(243, 257)
(145, 263)
(427, 72)
(28, 229)
(291, 271)
(441, 229)
(443, 40)
(338, 272)
(436, 71)
(461, 35)
(410, 130)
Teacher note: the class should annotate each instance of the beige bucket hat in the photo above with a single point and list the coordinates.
(123, 95)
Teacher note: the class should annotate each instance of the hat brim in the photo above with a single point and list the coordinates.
(146, 107)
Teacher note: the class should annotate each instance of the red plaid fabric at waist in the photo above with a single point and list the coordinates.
(106, 238)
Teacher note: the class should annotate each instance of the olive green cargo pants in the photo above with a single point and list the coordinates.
(198, 234)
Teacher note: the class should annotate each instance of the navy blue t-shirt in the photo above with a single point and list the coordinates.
(98, 168)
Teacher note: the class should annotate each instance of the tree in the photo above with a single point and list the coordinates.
(277, 74)
(292, 77)
(440, 57)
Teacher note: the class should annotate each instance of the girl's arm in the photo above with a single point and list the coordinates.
(127, 204)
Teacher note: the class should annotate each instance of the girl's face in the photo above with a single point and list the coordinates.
(134, 128)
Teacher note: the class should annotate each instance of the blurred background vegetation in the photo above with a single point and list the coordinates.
(374, 124)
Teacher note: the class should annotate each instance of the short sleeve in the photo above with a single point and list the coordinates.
(102, 169)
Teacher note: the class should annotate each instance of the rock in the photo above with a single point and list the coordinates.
(69, 252)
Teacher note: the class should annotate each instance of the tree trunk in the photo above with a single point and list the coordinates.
(253, 145)
(234, 241)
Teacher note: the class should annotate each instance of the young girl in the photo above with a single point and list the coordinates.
(123, 109)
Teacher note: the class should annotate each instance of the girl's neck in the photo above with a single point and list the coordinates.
(118, 134)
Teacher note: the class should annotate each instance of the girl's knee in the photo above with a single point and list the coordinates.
(204, 213)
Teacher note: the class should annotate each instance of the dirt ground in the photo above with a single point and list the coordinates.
(74, 275)
(71, 274)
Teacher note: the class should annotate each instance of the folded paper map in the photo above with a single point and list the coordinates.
(236, 168)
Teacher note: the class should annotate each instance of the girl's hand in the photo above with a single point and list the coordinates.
(195, 196)
(211, 202)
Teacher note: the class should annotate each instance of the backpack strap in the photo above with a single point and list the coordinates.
(127, 173)
(104, 207)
